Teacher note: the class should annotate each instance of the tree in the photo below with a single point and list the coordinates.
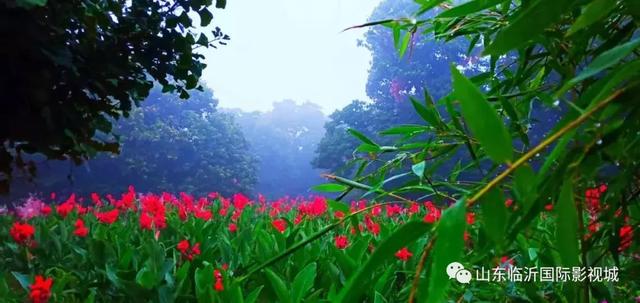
(167, 144)
(71, 68)
(392, 81)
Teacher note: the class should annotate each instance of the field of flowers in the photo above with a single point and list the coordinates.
(166, 248)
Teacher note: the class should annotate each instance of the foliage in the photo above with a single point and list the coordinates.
(283, 140)
(70, 68)
(580, 56)
(168, 144)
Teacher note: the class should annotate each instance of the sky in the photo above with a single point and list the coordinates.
(289, 49)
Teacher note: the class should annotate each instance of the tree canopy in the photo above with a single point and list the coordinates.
(70, 68)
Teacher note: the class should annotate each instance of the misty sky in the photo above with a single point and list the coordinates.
(290, 49)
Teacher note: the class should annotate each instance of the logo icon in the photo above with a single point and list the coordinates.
(455, 270)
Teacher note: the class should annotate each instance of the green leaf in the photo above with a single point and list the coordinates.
(428, 114)
(567, 237)
(494, 214)
(368, 148)
(603, 61)
(279, 286)
(591, 14)
(402, 237)
(448, 248)
(361, 137)
(205, 17)
(303, 282)
(23, 279)
(252, 297)
(469, 8)
(567, 226)
(482, 119)
(405, 43)
(407, 129)
(418, 169)
(31, 3)
(146, 278)
(525, 186)
(204, 283)
(330, 188)
(530, 22)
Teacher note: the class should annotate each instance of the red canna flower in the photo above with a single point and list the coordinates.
(341, 241)
(471, 218)
(404, 254)
(45, 210)
(195, 250)
(414, 208)
(108, 217)
(280, 225)
(218, 286)
(433, 213)
(81, 230)
(508, 203)
(233, 227)
(145, 221)
(67, 207)
(183, 246)
(626, 236)
(41, 290)
(22, 233)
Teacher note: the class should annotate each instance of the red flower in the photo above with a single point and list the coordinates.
(548, 207)
(404, 254)
(233, 227)
(45, 210)
(183, 246)
(414, 208)
(218, 286)
(471, 218)
(195, 250)
(338, 214)
(626, 235)
(22, 233)
(341, 242)
(81, 230)
(202, 214)
(107, 217)
(145, 221)
(189, 254)
(433, 213)
(280, 225)
(67, 207)
(508, 203)
(506, 262)
(41, 290)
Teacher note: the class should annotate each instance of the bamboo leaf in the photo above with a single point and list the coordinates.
(482, 119)
(469, 8)
(329, 188)
(602, 62)
(448, 248)
(591, 14)
(527, 24)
